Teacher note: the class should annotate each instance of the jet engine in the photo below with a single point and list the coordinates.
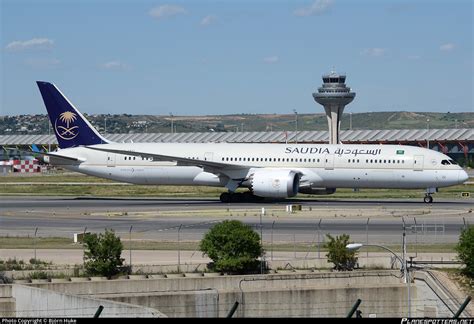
(275, 183)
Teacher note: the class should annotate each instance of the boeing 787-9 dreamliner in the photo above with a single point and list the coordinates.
(267, 170)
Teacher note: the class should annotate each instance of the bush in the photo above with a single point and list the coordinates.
(4, 279)
(102, 255)
(342, 258)
(38, 275)
(233, 247)
(465, 249)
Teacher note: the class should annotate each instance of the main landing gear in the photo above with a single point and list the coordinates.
(228, 197)
(429, 191)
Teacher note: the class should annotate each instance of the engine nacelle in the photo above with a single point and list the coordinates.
(275, 183)
(317, 191)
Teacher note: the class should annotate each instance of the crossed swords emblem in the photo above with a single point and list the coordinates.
(66, 132)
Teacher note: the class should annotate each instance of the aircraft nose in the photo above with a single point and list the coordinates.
(462, 176)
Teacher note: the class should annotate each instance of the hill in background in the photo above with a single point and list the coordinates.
(125, 123)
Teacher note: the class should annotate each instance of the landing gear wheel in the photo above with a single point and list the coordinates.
(236, 197)
(225, 197)
(428, 199)
(248, 196)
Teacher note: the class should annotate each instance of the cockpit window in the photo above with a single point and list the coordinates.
(445, 162)
(453, 162)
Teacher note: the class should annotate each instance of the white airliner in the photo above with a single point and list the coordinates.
(267, 170)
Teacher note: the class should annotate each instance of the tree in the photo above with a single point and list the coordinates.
(465, 249)
(342, 258)
(232, 246)
(102, 256)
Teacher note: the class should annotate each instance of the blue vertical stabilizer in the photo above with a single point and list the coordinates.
(69, 125)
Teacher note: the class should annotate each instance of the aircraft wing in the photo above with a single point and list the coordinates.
(206, 165)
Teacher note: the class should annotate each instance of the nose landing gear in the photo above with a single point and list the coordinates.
(429, 191)
(428, 199)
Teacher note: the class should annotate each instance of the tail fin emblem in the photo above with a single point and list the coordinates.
(63, 126)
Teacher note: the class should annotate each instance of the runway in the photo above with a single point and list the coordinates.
(160, 218)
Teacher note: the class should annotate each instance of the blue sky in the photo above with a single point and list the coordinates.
(225, 57)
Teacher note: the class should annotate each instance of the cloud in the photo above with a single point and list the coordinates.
(34, 43)
(166, 11)
(271, 59)
(318, 7)
(209, 19)
(42, 63)
(114, 65)
(374, 51)
(446, 47)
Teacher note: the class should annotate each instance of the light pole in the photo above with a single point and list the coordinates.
(427, 133)
(49, 135)
(350, 121)
(319, 241)
(261, 240)
(84, 249)
(36, 230)
(296, 126)
(105, 125)
(179, 248)
(403, 265)
(172, 129)
(273, 225)
(130, 246)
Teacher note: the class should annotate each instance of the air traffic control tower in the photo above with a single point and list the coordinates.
(334, 96)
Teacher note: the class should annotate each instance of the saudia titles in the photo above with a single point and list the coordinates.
(64, 126)
(325, 150)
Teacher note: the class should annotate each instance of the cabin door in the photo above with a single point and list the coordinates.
(329, 161)
(418, 163)
(110, 159)
(208, 156)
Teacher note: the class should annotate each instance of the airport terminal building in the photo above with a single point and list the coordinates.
(457, 143)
